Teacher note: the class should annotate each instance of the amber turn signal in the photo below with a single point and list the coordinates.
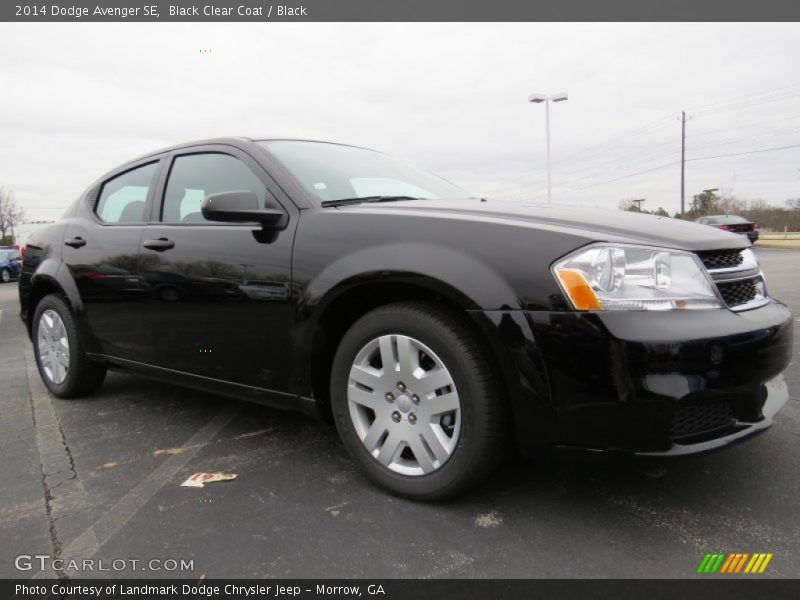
(578, 290)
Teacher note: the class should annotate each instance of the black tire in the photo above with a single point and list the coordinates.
(481, 442)
(84, 375)
(5, 275)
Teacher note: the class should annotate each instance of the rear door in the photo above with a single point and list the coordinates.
(101, 246)
(218, 300)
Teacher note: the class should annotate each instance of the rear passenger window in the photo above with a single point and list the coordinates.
(122, 199)
(195, 176)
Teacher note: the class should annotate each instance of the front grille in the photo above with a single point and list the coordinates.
(721, 259)
(736, 293)
(701, 417)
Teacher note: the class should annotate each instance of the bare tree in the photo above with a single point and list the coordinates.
(729, 204)
(11, 215)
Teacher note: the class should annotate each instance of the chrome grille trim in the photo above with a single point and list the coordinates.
(739, 297)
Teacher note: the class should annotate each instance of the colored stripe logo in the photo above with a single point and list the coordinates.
(735, 562)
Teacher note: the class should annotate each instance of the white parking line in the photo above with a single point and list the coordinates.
(57, 463)
(87, 543)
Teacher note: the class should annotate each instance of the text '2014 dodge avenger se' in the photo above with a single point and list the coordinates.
(432, 327)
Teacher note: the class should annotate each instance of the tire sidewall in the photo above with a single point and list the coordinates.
(5, 275)
(57, 305)
(437, 338)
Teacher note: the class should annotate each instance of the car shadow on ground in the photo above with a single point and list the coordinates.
(298, 494)
(549, 474)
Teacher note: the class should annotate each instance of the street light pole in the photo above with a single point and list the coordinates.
(683, 162)
(537, 99)
(547, 135)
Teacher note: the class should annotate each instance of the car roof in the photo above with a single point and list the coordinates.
(234, 140)
(724, 217)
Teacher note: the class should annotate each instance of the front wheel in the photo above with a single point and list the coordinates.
(416, 401)
(5, 275)
(63, 365)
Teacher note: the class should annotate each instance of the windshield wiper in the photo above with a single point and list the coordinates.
(345, 201)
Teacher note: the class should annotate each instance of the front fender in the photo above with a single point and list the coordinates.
(456, 273)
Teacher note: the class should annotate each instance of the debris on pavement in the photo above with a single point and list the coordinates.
(200, 479)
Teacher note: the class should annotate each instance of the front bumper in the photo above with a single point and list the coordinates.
(777, 396)
(664, 383)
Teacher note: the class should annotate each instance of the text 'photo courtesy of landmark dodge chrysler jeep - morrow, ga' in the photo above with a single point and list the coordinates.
(431, 327)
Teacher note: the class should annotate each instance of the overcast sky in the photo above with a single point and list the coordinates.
(78, 99)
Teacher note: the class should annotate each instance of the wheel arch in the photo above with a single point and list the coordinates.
(322, 331)
(51, 277)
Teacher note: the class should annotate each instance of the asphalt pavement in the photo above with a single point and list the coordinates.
(99, 479)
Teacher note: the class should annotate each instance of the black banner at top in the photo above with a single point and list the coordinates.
(255, 11)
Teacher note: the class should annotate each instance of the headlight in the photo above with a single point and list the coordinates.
(621, 277)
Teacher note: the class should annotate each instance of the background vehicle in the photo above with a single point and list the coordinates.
(734, 224)
(433, 328)
(9, 264)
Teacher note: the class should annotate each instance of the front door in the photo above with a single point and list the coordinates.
(217, 295)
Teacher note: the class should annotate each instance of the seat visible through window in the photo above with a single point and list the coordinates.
(195, 176)
(123, 198)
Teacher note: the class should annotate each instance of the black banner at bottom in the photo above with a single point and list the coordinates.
(401, 589)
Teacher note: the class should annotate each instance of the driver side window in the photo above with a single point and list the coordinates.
(195, 176)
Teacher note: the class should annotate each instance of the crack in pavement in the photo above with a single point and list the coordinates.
(52, 459)
(64, 493)
(110, 522)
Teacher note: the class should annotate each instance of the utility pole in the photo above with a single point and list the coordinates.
(683, 160)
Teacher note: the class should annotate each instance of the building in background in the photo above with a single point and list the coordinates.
(24, 229)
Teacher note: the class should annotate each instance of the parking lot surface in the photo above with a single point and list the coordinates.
(99, 478)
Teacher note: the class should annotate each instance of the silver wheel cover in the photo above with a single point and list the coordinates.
(404, 405)
(53, 345)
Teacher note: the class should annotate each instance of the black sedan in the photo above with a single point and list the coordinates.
(734, 224)
(432, 327)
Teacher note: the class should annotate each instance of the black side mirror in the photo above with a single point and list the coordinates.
(239, 206)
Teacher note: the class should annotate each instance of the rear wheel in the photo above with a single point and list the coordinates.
(5, 275)
(416, 401)
(63, 365)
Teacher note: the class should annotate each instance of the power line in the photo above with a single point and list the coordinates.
(743, 126)
(658, 168)
(677, 162)
(745, 153)
(748, 100)
(651, 127)
(596, 160)
(739, 140)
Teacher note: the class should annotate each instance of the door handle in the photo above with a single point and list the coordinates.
(159, 245)
(75, 242)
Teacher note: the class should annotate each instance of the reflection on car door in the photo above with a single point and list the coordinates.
(217, 295)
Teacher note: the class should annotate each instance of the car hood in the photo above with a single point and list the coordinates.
(594, 224)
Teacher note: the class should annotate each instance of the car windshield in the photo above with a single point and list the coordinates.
(727, 219)
(334, 172)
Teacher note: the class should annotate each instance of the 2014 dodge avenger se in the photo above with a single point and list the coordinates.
(432, 327)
